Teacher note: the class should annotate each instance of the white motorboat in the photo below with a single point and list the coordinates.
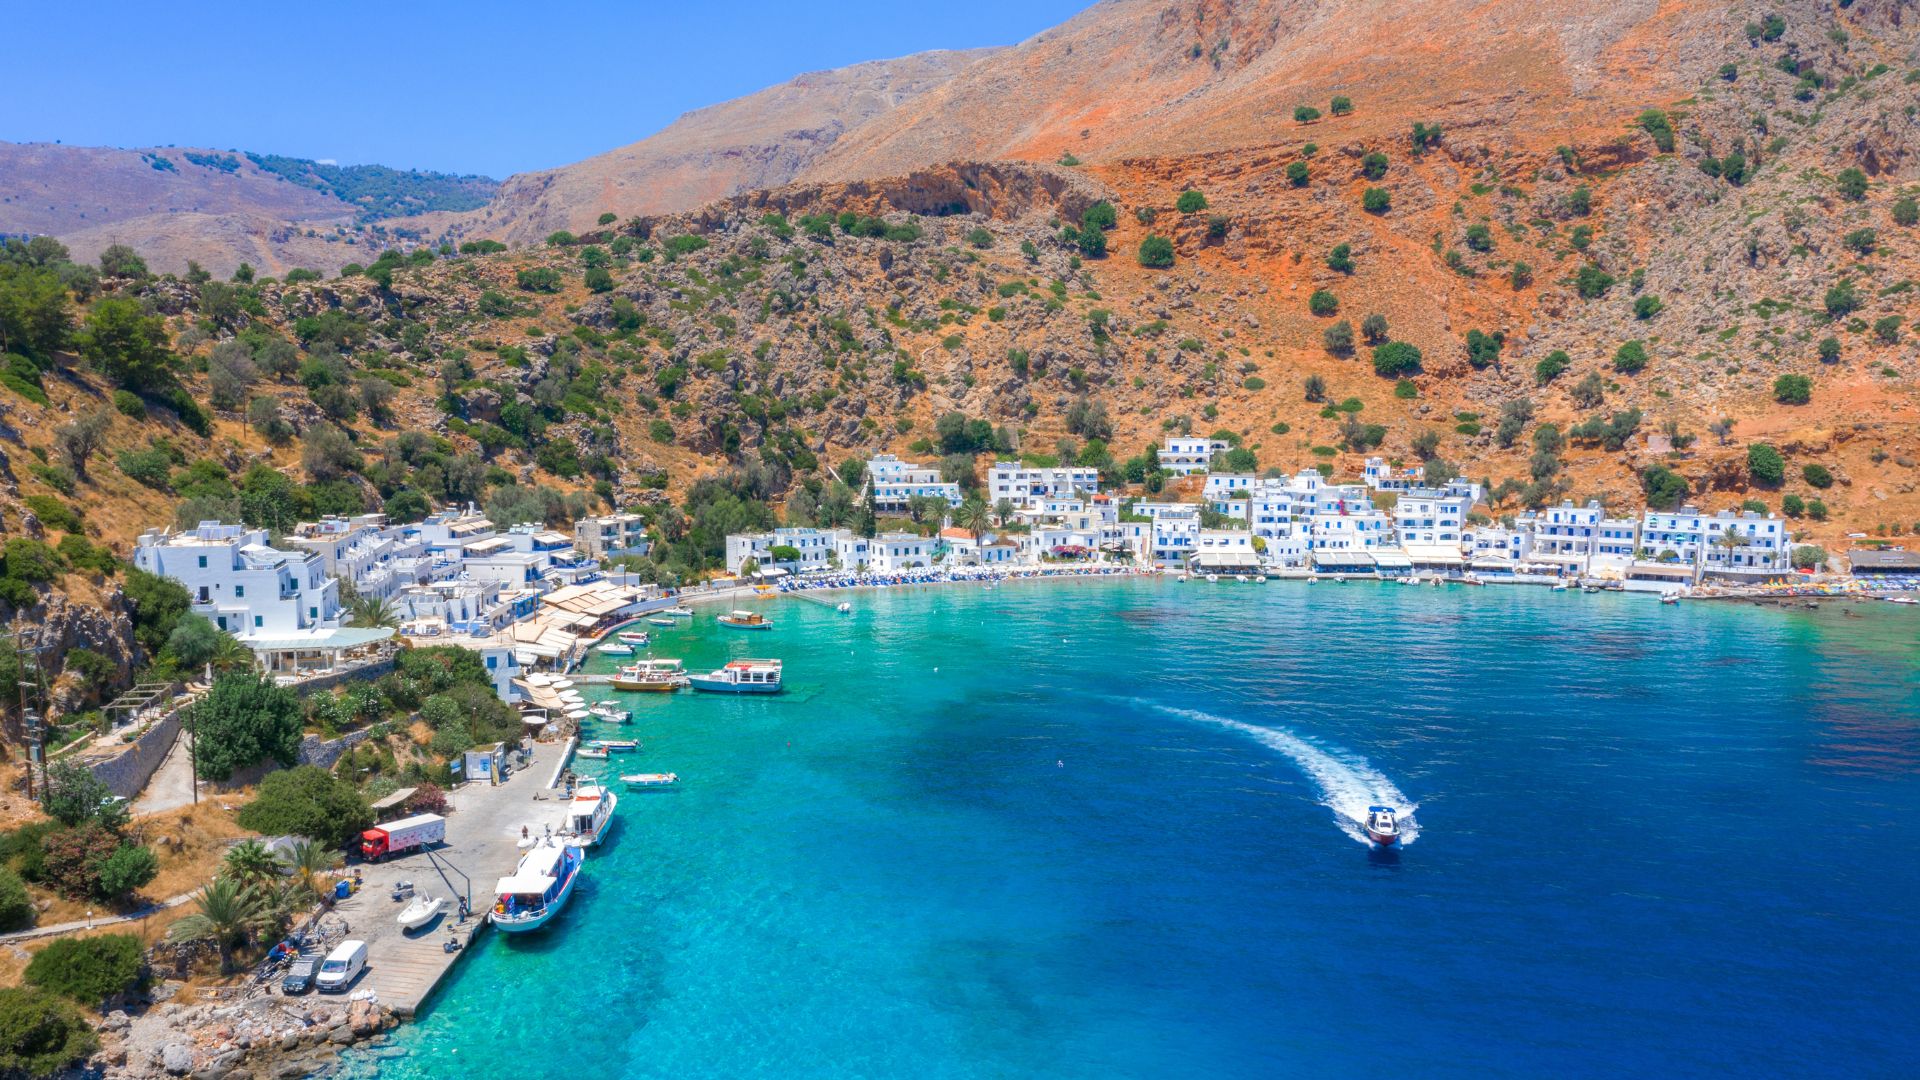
(661, 622)
(423, 910)
(656, 675)
(613, 746)
(606, 710)
(680, 612)
(615, 648)
(650, 779)
(1382, 829)
(741, 677)
(592, 753)
(590, 813)
(745, 620)
(637, 640)
(1902, 600)
(539, 888)
(844, 607)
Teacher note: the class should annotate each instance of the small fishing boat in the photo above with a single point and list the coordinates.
(423, 910)
(1213, 577)
(845, 607)
(1902, 600)
(1339, 579)
(741, 677)
(1381, 827)
(614, 648)
(539, 887)
(1562, 587)
(746, 620)
(676, 610)
(590, 813)
(1670, 598)
(606, 710)
(650, 779)
(651, 675)
(1471, 579)
(1411, 580)
(592, 753)
(629, 638)
(661, 622)
(613, 746)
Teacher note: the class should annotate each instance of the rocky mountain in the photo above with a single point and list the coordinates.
(216, 207)
(761, 140)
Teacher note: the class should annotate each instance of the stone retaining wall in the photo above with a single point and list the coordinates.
(127, 772)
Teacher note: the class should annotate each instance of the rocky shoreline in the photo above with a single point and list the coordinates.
(253, 1038)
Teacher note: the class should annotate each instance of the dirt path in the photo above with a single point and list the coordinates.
(171, 785)
(97, 921)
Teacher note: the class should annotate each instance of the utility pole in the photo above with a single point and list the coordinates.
(32, 724)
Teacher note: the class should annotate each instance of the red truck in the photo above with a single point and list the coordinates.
(399, 837)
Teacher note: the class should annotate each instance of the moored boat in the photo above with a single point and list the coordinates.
(631, 638)
(615, 648)
(746, 620)
(652, 675)
(606, 710)
(661, 622)
(650, 779)
(590, 813)
(741, 677)
(678, 610)
(538, 888)
(591, 753)
(613, 746)
(1382, 829)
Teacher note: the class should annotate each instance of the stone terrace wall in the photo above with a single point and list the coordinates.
(127, 772)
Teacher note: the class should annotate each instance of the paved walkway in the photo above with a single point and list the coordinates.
(97, 922)
(171, 785)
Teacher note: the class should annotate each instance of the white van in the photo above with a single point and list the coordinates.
(343, 965)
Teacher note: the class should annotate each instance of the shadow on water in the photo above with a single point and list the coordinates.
(1383, 856)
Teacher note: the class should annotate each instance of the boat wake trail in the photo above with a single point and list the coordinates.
(1348, 784)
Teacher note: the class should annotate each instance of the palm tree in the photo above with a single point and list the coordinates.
(372, 611)
(1002, 509)
(309, 862)
(228, 913)
(250, 863)
(974, 517)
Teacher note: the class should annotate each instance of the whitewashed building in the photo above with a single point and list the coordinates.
(376, 559)
(895, 482)
(1693, 537)
(1031, 486)
(1424, 516)
(1184, 455)
(814, 547)
(611, 534)
(246, 586)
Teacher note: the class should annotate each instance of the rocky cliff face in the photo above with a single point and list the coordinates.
(762, 140)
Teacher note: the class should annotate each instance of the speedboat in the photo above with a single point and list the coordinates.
(676, 610)
(592, 753)
(741, 677)
(746, 620)
(1670, 598)
(1213, 577)
(650, 779)
(1470, 579)
(590, 813)
(539, 887)
(609, 712)
(613, 746)
(1902, 600)
(1382, 829)
(615, 648)
(1562, 587)
(651, 675)
(661, 622)
(423, 910)
(845, 607)
(638, 640)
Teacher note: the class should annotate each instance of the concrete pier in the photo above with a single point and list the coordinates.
(483, 835)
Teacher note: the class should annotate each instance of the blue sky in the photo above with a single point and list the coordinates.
(480, 86)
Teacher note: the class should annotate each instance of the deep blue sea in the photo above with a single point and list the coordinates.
(1103, 829)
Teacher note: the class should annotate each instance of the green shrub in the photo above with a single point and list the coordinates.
(1765, 465)
(544, 279)
(1483, 349)
(88, 970)
(129, 404)
(1297, 173)
(1374, 165)
(1156, 252)
(1817, 476)
(1646, 306)
(1551, 366)
(1630, 357)
(1793, 389)
(1376, 200)
(1592, 282)
(1479, 238)
(1829, 350)
(1656, 123)
(152, 467)
(1305, 114)
(307, 801)
(1887, 329)
(1190, 202)
(1340, 259)
(16, 907)
(1406, 390)
(1323, 303)
(1396, 358)
(1793, 506)
(1842, 299)
(1341, 105)
(1906, 212)
(41, 1034)
(1852, 184)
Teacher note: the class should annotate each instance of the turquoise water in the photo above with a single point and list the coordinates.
(1099, 829)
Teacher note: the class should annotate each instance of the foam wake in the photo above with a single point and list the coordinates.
(1347, 783)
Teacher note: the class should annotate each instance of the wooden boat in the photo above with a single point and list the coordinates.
(651, 675)
(746, 620)
(741, 677)
(650, 779)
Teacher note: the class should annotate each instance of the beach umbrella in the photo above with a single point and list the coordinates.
(578, 714)
(534, 721)
(560, 684)
(537, 679)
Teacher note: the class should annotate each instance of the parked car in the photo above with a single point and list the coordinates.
(300, 974)
(343, 965)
